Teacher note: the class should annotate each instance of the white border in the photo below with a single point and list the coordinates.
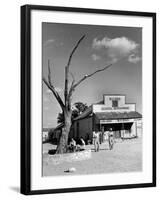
(41, 183)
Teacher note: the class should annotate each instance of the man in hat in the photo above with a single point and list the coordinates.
(110, 139)
(96, 140)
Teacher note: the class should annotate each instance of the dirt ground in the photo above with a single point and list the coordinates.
(126, 156)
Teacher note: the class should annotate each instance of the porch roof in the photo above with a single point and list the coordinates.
(117, 115)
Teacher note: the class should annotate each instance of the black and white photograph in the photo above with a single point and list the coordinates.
(88, 100)
(92, 99)
(79, 100)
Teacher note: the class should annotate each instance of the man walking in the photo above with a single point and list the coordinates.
(96, 141)
(110, 139)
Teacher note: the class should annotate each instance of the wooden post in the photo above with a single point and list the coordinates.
(123, 129)
(136, 128)
(102, 134)
(100, 139)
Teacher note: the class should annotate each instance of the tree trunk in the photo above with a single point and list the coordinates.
(63, 143)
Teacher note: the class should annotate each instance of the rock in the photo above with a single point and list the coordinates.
(72, 169)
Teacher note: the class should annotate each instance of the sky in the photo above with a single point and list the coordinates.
(102, 45)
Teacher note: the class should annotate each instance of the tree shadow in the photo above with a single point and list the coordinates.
(52, 151)
(104, 149)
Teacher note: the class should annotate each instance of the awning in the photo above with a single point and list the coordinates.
(117, 116)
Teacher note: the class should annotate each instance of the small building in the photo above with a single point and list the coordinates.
(113, 112)
(56, 133)
(45, 135)
(52, 134)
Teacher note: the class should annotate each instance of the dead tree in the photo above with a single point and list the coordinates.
(68, 92)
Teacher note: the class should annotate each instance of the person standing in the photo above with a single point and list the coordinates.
(82, 143)
(110, 139)
(96, 141)
(72, 145)
(100, 137)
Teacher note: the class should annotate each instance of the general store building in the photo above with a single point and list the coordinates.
(113, 112)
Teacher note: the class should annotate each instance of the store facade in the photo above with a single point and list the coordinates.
(113, 112)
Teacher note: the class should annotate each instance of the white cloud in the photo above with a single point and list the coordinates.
(116, 48)
(58, 89)
(95, 57)
(48, 91)
(47, 42)
(133, 58)
(50, 41)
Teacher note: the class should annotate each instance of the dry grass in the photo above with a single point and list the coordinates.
(126, 156)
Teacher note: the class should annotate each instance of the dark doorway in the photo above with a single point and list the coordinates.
(117, 127)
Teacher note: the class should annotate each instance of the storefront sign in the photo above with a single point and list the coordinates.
(116, 121)
(105, 108)
(114, 98)
(115, 108)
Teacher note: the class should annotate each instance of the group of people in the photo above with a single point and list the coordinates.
(73, 147)
(76, 147)
(96, 139)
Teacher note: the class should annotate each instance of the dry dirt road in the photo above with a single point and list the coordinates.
(126, 156)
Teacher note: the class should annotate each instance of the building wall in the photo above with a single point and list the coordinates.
(129, 133)
(139, 125)
(134, 130)
(45, 136)
(112, 103)
(122, 106)
(82, 128)
(108, 100)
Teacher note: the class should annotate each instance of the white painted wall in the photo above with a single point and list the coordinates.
(108, 100)
(107, 106)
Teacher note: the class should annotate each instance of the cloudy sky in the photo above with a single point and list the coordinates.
(101, 46)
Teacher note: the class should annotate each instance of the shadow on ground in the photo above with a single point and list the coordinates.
(100, 149)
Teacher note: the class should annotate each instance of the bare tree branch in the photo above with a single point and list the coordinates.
(89, 75)
(70, 90)
(74, 49)
(67, 71)
(66, 85)
(49, 74)
(55, 93)
(73, 79)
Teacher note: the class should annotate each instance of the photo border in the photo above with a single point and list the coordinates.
(26, 98)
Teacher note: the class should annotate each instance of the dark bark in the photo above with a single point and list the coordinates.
(63, 143)
(62, 146)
